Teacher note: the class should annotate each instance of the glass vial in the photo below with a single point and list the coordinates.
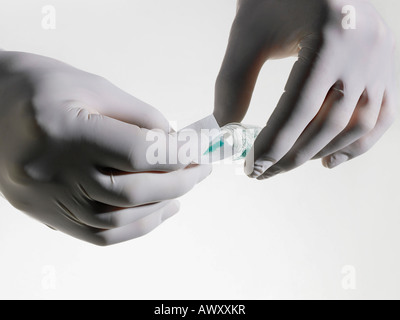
(235, 141)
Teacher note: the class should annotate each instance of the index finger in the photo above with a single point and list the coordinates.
(305, 92)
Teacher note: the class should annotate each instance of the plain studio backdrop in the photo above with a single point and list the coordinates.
(311, 233)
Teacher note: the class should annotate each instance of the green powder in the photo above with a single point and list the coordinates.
(219, 144)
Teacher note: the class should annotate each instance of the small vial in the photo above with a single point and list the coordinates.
(235, 140)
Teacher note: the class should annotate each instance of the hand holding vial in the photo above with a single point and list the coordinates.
(341, 96)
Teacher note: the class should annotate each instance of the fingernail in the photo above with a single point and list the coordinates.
(335, 160)
(260, 167)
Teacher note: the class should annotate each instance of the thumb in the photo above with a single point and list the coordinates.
(122, 106)
(129, 148)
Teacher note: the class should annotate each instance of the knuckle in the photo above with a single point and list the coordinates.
(129, 197)
(99, 238)
(133, 159)
(80, 113)
(342, 113)
(18, 174)
(19, 203)
(391, 114)
(362, 147)
(366, 124)
(297, 159)
(138, 154)
(84, 113)
(373, 27)
(381, 33)
(392, 40)
(113, 221)
(143, 228)
(339, 123)
(367, 15)
(124, 194)
(391, 103)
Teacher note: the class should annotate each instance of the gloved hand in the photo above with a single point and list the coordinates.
(340, 97)
(73, 153)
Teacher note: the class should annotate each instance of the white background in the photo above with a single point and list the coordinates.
(234, 238)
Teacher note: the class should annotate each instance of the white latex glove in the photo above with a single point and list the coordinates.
(340, 97)
(73, 153)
